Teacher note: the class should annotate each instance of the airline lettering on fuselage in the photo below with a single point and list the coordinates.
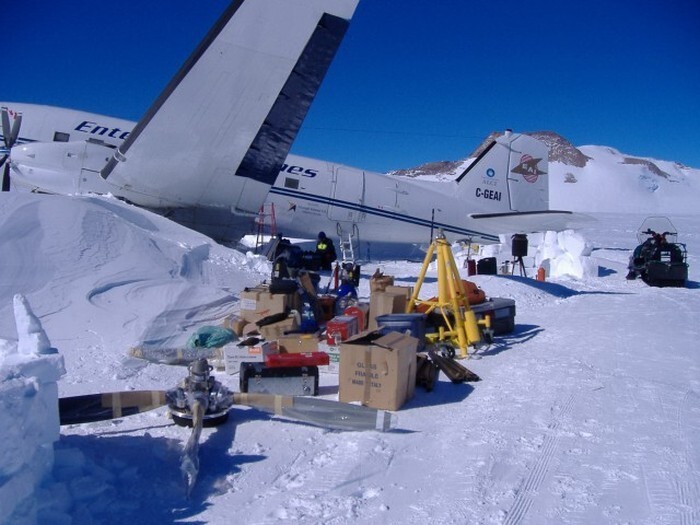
(298, 170)
(488, 194)
(87, 126)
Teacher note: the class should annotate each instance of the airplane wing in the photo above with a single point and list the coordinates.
(533, 221)
(219, 132)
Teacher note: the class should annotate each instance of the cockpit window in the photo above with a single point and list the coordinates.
(59, 136)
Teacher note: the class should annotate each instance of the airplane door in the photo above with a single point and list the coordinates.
(347, 195)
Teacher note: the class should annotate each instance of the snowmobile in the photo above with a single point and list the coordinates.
(659, 259)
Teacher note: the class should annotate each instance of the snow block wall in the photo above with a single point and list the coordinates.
(561, 254)
(29, 421)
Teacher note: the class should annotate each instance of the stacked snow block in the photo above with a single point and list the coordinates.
(29, 421)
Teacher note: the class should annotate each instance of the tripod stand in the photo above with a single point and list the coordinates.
(521, 265)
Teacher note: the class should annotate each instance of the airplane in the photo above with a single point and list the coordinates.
(209, 158)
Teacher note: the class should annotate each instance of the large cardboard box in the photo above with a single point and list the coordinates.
(381, 303)
(378, 370)
(258, 302)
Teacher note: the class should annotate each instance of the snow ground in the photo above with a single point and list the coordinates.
(585, 414)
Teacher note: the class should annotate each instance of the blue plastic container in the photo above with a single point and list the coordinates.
(411, 324)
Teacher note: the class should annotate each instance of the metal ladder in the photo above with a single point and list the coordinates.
(266, 217)
(347, 246)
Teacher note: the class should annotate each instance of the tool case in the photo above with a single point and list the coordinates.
(281, 380)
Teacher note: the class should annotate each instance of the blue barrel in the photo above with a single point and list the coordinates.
(411, 324)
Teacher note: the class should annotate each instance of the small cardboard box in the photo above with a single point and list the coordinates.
(278, 329)
(234, 355)
(299, 343)
(235, 323)
(378, 370)
(405, 290)
(379, 282)
(333, 360)
(333, 366)
(258, 302)
(381, 303)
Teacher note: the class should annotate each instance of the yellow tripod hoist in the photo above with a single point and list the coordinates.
(461, 328)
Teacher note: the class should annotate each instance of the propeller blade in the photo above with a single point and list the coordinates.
(6, 129)
(189, 464)
(174, 356)
(14, 132)
(111, 405)
(320, 412)
(5, 174)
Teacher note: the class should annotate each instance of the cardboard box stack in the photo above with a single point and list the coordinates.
(374, 369)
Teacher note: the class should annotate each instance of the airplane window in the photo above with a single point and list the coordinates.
(59, 136)
(291, 183)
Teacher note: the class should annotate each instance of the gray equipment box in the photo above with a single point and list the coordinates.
(502, 312)
(281, 380)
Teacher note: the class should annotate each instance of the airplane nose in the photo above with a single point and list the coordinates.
(22, 155)
(34, 166)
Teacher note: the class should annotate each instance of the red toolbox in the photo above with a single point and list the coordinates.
(340, 328)
(297, 359)
(360, 311)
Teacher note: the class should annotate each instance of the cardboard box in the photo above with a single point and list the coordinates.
(340, 328)
(404, 290)
(381, 303)
(258, 302)
(379, 282)
(333, 352)
(235, 323)
(278, 329)
(234, 355)
(378, 370)
(299, 343)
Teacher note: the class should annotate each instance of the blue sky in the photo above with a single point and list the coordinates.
(414, 81)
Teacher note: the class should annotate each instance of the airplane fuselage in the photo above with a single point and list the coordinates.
(309, 195)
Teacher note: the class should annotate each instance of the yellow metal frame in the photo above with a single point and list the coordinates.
(463, 329)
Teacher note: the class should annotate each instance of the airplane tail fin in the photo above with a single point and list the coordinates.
(509, 175)
(219, 132)
(509, 181)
